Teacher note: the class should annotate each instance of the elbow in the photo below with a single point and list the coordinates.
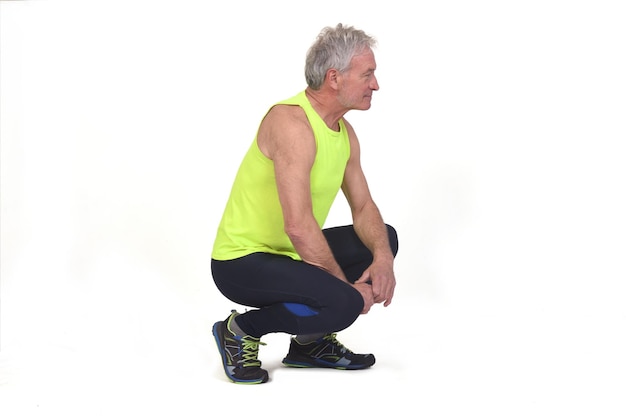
(297, 229)
(294, 231)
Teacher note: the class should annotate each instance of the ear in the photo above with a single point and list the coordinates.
(332, 76)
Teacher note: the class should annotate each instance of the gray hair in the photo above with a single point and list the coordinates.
(334, 48)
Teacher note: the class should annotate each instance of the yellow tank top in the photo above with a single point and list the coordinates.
(253, 219)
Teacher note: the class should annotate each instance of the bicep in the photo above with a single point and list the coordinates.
(292, 170)
(291, 147)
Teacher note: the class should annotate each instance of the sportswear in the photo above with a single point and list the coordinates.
(253, 219)
(239, 354)
(326, 352)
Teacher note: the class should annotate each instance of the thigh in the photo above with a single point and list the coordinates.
(263, 279)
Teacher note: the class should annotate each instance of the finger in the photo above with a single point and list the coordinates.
(377, 291)
(388, 301)
(363, 278)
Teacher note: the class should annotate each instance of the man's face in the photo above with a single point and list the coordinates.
(358, 83)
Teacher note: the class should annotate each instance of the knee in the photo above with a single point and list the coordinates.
(348, 308)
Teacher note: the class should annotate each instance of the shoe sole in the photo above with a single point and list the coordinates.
(220, 343)
(322, 364)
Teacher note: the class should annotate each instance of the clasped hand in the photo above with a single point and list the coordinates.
(376, 285)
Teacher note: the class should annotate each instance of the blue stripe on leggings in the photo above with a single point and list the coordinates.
(301, 310)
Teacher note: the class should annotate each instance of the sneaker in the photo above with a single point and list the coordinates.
(326, 352)
(239, 354)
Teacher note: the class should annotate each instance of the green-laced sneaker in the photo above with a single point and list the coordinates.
(239, 354)
(326, 352)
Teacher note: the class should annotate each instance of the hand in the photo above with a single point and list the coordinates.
(367, 294)
(383, 281)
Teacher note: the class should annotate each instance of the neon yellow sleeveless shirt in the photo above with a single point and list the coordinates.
(253, 218)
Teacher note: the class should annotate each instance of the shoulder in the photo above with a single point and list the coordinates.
(284, 127)
(285, 120)
(285, 114)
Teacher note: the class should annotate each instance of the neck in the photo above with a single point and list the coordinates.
(325, 103)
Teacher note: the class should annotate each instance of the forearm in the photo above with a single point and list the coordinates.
(371, 229)
(310, 243)
(373, 232)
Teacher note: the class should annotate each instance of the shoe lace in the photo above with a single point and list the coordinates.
(332, 338)
(250, 348)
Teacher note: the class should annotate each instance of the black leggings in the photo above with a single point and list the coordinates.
(295, 297)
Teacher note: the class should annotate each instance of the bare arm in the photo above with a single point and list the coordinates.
(285, 137)
(369, 226)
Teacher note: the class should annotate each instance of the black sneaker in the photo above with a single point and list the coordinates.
(326, 352)
(239, 354)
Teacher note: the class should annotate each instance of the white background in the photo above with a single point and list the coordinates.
(495, 146)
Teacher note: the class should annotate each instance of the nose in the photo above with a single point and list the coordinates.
(374, 83)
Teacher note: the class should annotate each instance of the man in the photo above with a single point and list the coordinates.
(271, 252)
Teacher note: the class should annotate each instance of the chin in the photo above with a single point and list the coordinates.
(364, 105)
